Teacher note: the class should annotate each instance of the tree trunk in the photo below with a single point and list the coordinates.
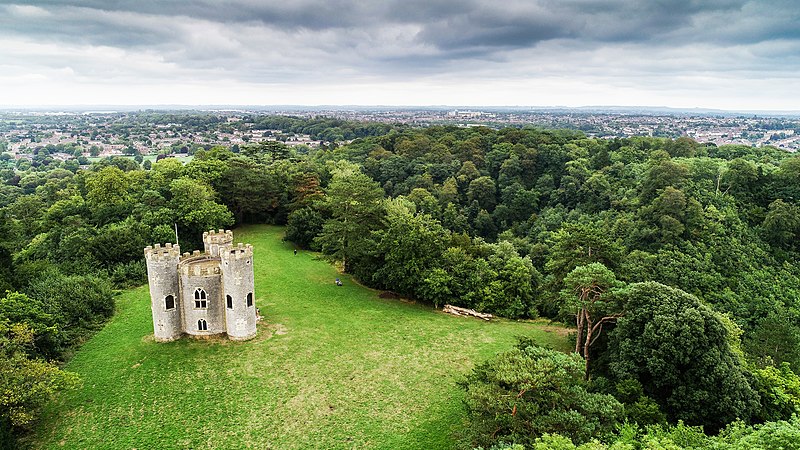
(455, 310)
(587, 343)
(579, 337)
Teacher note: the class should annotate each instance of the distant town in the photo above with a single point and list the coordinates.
(717, 128)
(149, 133)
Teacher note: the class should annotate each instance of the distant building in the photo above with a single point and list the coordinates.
(204, 293)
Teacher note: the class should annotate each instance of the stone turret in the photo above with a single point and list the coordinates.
(162, 272)
(239, 287)
(216, 242)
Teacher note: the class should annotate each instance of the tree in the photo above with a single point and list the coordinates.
(782, 224)
(513, 291)
(120, 242)
(679, 350)
(672, 213)
(77, 302)
(25, 384)
(484, 225)
(580, 244)
(587, 294)
(164, 172)
(354, 203)
(483, 190)
(524, 393)
(470, 275)
(425, 202)
(449, 192)
(303, 225)
(435, 286)
(410, 244)
(252, 189)
(195, 209)
(788, 179)
(662, 173)
(776, 337)
(17, 308)
(779, 389)
(108, 194)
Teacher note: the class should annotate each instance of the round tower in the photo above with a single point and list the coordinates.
(239, 291)
(216, 242)
(162, 274)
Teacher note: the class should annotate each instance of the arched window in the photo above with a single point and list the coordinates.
(169, 302)
(249, 299)
(229, 301)
(202, 325)
(200, 301)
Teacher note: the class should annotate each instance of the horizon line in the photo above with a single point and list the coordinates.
(317, 107)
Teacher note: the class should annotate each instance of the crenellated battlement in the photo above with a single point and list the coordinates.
(215, 242)
(197, 270)
(195, 254)
(159, 253)
(220, 237)
(241, 251)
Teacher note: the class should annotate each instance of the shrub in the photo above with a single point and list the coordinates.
(522, 394)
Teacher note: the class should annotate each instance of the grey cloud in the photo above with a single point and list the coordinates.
(450, 26)
(84, 25)
(285, 41)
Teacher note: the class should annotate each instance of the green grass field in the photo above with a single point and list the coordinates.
(332, 367)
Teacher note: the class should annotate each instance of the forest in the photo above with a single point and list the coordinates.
(676, 262)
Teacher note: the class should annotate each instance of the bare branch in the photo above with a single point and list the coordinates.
(600, 330)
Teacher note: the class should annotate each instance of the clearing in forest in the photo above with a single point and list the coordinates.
(331, 367)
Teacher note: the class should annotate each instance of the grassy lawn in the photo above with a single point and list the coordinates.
(332, 367)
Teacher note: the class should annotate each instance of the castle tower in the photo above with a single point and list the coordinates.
(239, 291)
(162, 274)
(201, 295)
(215, 243)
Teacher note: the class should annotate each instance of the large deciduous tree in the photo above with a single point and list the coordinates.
(411, 245)
(195, 207)
(484, 191)
(782, 224)
(680, 351)
(354, 203)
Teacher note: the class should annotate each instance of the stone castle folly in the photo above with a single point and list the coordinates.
(203, 293)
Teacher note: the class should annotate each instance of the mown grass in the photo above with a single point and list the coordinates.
(332, 367)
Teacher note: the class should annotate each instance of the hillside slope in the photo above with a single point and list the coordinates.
(332, 367)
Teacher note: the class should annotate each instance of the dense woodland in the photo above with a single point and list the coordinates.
(676, 261)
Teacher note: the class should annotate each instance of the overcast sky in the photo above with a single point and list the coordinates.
(727, 54)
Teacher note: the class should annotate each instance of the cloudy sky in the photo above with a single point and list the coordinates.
(728, 54)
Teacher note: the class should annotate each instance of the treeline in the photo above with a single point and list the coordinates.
(322, 128)
(517, 222)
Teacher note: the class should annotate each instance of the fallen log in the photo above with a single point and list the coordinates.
(455, 310)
